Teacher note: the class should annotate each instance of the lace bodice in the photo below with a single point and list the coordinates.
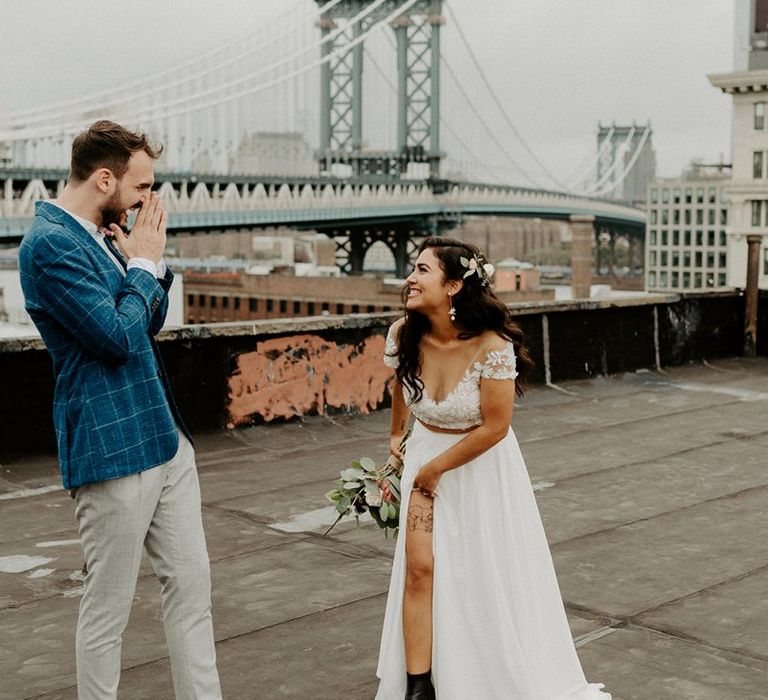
(460, 409)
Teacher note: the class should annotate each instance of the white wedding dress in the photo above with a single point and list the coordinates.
(499, 625)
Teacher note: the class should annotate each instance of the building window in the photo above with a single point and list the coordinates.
(687, 217)
(663, 278)
(283, 306)
(675, 279)
(699, 217)
(686, 258)
(721, 261)
(723, 217)
(369, 309)
(325, 306)
(722, 237)
(676, 196)
(711, 217)
(699, 258)
(757, 211)
(676, 217)
(665, 196)
(675, 237)
(675, 258)
(190, 299)
(687, 238)
(253, 304)
(213, 302)
(697, 280)
(700, 195)
(699, 237)
(721, 279)
(710, 238)
(712, 195)
(653, 237)
(652, 258)
(710, 260)
(665, 217)
(355, 308)
(654, 216)
(687, 280)
(652, 278)
(654, 196)
(757, 165)
(759, 115)
(225, 303)
(310, 308)
(664, 258)
(688, 195)
(665, 238)
(201, 300)
(339, 309)
(296, 308)
(237, 303)
(270, 305)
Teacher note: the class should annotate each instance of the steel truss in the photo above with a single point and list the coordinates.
(341, 94)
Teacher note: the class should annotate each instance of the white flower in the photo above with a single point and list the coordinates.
(489, 269)
(373, 499)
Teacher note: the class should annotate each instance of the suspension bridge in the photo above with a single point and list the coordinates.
(389, 164)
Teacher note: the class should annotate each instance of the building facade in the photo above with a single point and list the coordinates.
(748, 188)
(686, 234)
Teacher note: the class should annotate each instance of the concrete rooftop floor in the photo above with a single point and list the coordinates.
(653, 488)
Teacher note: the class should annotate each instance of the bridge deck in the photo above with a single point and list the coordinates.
(653, 490)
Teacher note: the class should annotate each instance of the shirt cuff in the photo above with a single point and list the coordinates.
(148, 266)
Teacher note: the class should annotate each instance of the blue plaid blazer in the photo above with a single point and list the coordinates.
(113, 409)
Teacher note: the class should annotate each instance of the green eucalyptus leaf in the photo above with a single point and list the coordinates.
(367, 463)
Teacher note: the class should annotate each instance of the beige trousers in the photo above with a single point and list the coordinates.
(157, 509)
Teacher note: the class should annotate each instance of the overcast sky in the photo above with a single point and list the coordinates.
(559, 66)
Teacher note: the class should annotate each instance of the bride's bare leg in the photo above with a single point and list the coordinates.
(417, 600)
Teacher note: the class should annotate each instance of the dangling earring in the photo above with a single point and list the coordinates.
(452, 310)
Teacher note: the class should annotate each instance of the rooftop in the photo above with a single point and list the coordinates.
(654, 493)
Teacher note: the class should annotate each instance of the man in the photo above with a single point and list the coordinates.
(124, 452)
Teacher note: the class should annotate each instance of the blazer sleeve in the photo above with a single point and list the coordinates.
(79, 299)
(160, 313)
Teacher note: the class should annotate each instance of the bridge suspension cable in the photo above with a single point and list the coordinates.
(629, 166)
(573, 179)
(142, 116)
(27, 116)
(608, 174)
(197, 106)
(443, 122)
(497, 101)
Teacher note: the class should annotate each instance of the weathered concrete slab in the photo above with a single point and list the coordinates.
(592, 502)
(632, 568)
(731, 616)
(638, 664)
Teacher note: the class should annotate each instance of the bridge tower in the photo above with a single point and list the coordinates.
(417, 33)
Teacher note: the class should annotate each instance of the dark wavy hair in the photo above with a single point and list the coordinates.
(478, 309)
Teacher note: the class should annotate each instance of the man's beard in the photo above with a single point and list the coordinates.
(113, 213)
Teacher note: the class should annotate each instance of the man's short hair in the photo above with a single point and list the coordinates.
(105, 144)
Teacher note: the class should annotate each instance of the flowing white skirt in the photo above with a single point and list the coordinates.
(499, 625)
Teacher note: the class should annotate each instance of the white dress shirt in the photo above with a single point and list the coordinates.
(98, 236)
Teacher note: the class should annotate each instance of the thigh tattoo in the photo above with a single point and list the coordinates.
(420, 518)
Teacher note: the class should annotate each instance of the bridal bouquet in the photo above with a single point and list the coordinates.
(359, 489)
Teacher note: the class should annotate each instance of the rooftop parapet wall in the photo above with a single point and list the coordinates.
(225, 375)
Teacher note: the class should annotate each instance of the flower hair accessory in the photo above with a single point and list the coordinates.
(475, 266)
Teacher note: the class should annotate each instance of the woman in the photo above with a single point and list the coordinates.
(474, 607)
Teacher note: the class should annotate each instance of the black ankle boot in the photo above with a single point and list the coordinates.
(420, 687)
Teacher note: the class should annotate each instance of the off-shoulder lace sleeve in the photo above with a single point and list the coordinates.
(500, 364)
(390, 348)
